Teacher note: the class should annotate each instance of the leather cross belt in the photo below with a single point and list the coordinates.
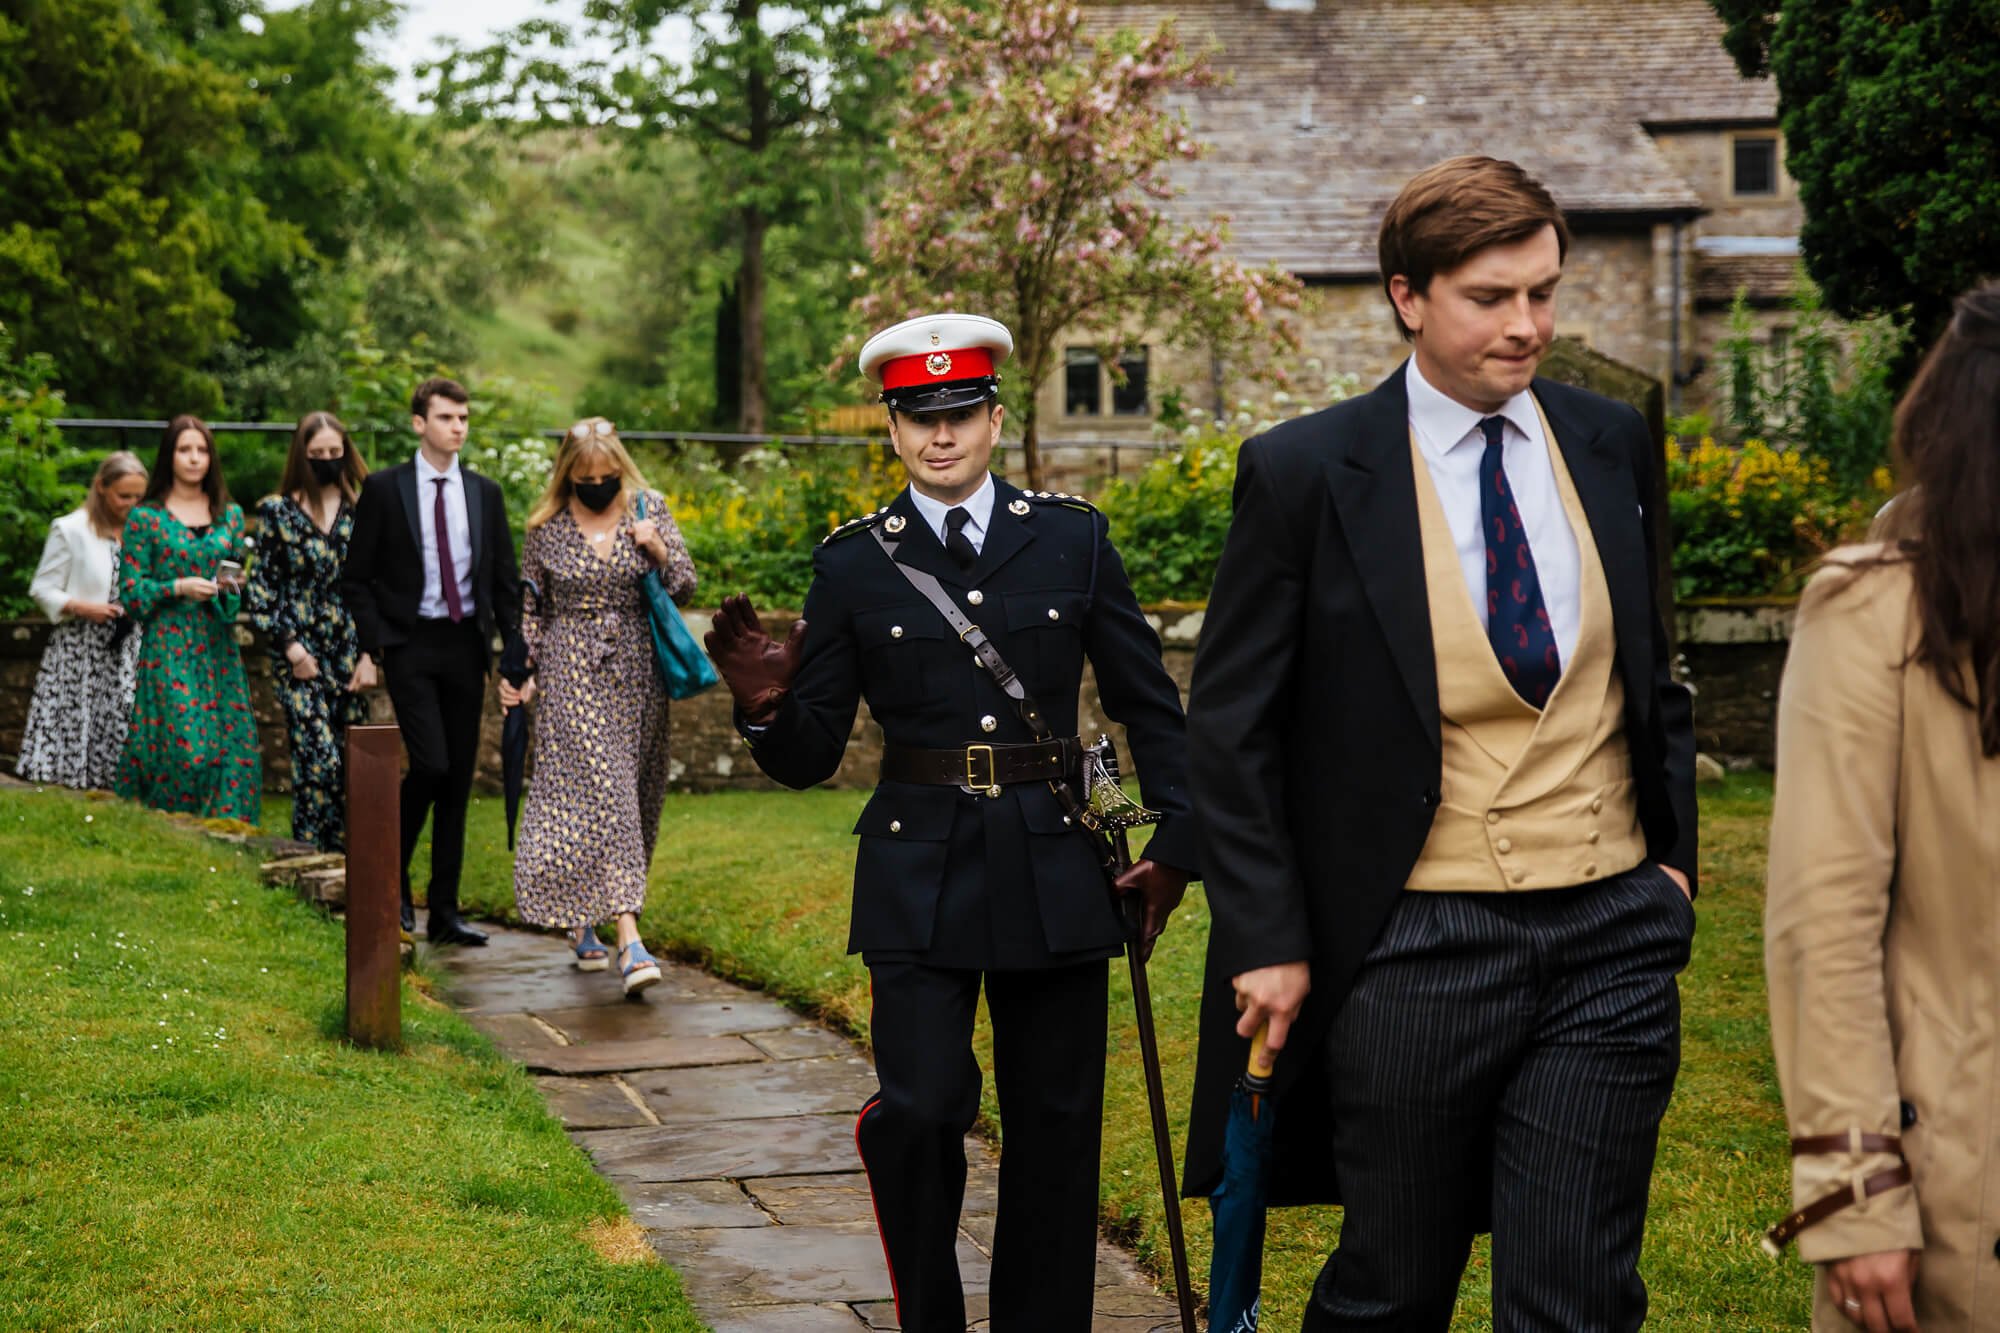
(983, 767)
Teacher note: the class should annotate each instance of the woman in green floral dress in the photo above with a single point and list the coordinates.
(317, 668)
(192, 744)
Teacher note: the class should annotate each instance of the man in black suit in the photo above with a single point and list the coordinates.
(968, 868)
(1444, 787)
(430, 579)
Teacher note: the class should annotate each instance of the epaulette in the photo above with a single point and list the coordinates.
(1058, 497)
(854, 525)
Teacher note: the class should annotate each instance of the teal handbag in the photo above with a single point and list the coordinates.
(684, 668)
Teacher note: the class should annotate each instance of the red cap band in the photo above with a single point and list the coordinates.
(939, 367)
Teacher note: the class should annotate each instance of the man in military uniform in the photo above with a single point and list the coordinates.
(968, 867)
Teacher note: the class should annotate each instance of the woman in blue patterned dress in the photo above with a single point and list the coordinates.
(317, 668)
(192, 744)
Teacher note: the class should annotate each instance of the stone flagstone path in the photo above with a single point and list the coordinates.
(727, 1121)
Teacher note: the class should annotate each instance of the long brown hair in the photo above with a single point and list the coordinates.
(1947, 519)
(162, 480)
(298, 479)
(114, 468)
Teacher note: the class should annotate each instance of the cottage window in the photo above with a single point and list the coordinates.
(1082, 394)
(1130, 398)
(1755, 169)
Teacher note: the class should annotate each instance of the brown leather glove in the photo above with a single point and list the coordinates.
(757, 667)
(1159, 888)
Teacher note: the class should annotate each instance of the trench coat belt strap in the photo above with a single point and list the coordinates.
(1849, 1142)
(983, 765)
(1827, 1205)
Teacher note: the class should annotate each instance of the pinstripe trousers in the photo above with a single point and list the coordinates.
(1503, 1061)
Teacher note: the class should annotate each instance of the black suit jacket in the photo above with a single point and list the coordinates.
(1313, 722)
(1050, 592)
(383, 576)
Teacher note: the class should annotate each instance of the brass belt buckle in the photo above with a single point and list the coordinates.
(974, 783)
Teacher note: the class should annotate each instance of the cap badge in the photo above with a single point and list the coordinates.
(938, 364)
(893, 523)
(936, 338)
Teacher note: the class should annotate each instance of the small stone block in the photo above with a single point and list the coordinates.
(692, 1205)
(726, 1150)
(830, 1318)
(757, 1091)
(590, 1103)
(801, 1043)
(327, 887)
(609, 1057)
(516, 1035)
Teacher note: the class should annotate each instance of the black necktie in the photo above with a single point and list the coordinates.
(955, 540)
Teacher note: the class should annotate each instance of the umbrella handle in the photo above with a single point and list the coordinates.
(1261, 1064)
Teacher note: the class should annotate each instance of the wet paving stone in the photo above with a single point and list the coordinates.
(725, 1150)
(780, 1265)
(882, 1314)
(799, 1043)
(502, 990)
(612, 1057)
(591, 1103)
(691, 1205)
(669, 1017)
(787, 1319)
(759, 1091)
(831, 1200)
(517, 1035)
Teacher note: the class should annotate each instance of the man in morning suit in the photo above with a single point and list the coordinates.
(967, 870)
(430, 579)
(1444, 787)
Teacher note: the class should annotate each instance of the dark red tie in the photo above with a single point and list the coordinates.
(1517, 619)
(447, 575)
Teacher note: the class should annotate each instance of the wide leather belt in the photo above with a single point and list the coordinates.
(983, 767)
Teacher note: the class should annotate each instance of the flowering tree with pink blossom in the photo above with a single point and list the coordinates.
(1033, 186)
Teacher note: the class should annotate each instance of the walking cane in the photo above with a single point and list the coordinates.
(1149, 1047)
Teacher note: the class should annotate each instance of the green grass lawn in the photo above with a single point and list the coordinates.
(756, 885)
(185, 1143)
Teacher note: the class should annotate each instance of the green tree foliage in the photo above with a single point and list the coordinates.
(1891, 114)
(780, 104)
(123, 212)
(41, 474)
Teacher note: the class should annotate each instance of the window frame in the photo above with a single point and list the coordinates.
(1776, 139)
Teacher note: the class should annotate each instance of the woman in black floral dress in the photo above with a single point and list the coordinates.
(294, 598)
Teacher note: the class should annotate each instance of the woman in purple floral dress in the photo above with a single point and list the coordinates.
(600, 749)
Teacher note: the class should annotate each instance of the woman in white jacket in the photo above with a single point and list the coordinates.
(83, 695)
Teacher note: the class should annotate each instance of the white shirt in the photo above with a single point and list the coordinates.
(979, 505)
(1452, 444)
(457, 529)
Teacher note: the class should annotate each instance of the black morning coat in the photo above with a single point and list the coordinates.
(1313, 725)
(383, 577)
(1049, 590)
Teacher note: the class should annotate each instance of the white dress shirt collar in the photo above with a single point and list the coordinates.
(979, 505)
(425, 472)
(1443, 423)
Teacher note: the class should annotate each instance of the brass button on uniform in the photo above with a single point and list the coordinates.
(1505, 845)
(975, 597)
(895, 631)
(895, 826)
(988, 722)
(1054, 614)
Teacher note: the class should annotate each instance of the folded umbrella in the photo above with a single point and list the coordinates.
(514, 731)
(1236, 1264)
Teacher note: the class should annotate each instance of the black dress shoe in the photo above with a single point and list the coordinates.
(454, 931)
(409, 918)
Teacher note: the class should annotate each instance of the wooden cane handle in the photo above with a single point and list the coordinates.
(1261, 1063)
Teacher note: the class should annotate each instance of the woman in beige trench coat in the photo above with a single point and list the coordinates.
(1882, 923)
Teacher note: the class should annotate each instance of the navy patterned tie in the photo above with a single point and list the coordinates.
(1517, 620)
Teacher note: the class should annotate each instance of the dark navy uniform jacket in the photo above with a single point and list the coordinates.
(943, 876)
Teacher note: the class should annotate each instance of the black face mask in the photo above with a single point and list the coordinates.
(326, 471)
(597, 495)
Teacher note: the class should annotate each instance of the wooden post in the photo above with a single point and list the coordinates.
(374, 888)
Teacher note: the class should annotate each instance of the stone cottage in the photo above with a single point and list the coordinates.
(1668, 163)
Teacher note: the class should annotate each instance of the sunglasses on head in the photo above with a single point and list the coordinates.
(596, 427)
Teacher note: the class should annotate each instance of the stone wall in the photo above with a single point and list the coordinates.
(1731, 654)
